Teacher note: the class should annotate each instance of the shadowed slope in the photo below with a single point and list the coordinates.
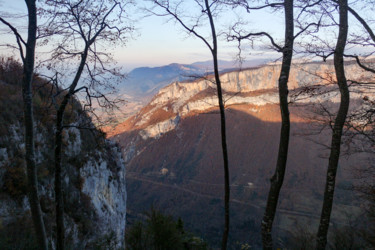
(180, 172)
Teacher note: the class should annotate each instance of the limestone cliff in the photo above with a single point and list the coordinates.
(309, 83)
(93, 175)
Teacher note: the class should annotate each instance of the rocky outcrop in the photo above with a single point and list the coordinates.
(93, 176)
(94, 187)
(309, 83)
(258, 79)
(104, 182)
(155, 131)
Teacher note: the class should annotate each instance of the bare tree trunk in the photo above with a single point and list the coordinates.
(278, 177)
(338, 127)
(223, 130)
(28, 71)
(58, 186)
(58, 153)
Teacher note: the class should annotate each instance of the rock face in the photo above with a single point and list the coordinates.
(309, 83)
(94, 189)
(104, 183)
(257, 79)
(173, 155)
(93, 177)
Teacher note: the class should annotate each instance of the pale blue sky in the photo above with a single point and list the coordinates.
(162, 42)
(158, 42)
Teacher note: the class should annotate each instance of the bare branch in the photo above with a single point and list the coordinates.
(165, 6)
(363, 22)
(18, 37)
(361, 64)
(249, 35)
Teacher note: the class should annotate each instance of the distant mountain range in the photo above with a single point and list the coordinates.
(141, 84)
(144, 82)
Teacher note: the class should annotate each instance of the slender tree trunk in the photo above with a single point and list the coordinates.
(28, 71)
(223, 130)
(338, 127)
(58, 154)
(278, 177)
(58, 186)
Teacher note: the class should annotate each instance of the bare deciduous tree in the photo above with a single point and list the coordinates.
(338, 125)
(82, 29)
(287, 52)
(27, 53)
(206, 8)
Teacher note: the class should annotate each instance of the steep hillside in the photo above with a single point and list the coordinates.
(93, 172)
(173, 154)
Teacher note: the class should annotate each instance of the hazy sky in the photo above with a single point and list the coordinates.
(159, 42)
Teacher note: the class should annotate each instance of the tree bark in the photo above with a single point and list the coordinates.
(223, 130)
(58, 153)
(58, 186)
(278, 177)
(338, 126)
(28, 72)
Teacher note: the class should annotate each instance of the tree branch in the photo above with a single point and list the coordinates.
(18, 37)
(165, 6)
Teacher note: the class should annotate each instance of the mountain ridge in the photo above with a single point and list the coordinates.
(172, 145)
(256, 86)
(143, 81)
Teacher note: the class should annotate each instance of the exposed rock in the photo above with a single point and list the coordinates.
(107, 191)
(93, 176)
(160, 128)
(309, 83)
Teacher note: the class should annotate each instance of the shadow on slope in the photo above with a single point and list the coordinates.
(181, 173)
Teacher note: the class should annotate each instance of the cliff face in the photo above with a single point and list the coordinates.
(309, 83)
(251, 80)
(94, 188)
(173, 155)
(93, 176)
